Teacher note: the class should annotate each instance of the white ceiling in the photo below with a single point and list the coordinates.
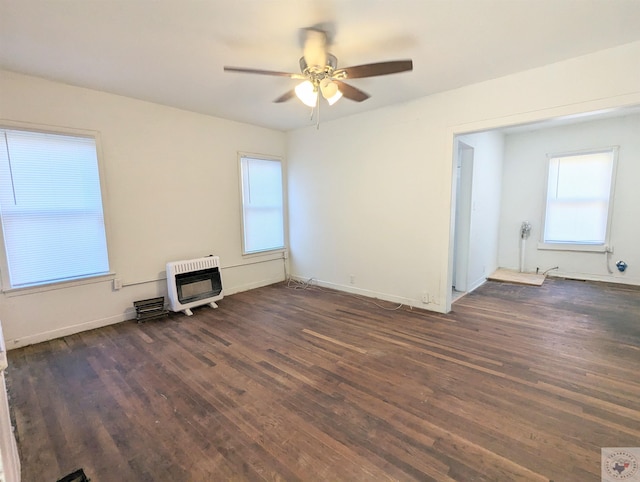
(172, 51)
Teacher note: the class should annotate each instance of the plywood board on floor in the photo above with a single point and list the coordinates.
(510, 276)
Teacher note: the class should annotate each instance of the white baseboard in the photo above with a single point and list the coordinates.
(412, 303)
(592, 277)
(69, 330)
(253, 286)
(129, 314)
(476, 284)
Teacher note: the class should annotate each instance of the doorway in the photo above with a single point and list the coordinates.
(462, 230)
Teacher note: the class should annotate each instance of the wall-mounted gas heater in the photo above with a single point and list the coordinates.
(194, 282)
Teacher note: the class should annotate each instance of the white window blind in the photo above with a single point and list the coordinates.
(578, 196)
(51, 208)
(262, 204)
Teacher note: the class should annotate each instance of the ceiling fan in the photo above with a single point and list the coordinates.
(319, 73)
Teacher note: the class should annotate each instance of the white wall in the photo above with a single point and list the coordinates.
(485, 205)
(172, 193)
(524, 191)
(370, 195)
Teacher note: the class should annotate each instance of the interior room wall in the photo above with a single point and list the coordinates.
(172, 193)
(370, 195)
(524, 191)
(485, 205)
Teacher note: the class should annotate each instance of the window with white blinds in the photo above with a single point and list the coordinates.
(51, 208)
(578, 201)
(262, 204)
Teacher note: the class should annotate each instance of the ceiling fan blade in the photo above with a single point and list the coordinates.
(372, 70)
(286, 96)
(315, 47)
(351, 92)
(243, 70)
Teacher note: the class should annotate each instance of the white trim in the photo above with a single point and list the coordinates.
(10, 459)
(589, 248)
(595, 277)
(581, 152)
(576, 246)
(128, 315)
(47, 128)
(255, 284)
(434, 306)
(70, 131)
(70, 330)
(58, 285)
(250, 155)
(476, 284)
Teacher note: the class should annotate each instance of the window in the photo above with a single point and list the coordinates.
(51, 208)
(262, 205)
(579, 190)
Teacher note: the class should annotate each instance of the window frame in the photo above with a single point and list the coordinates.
(577, 246)
(5, 283)
(262, 157)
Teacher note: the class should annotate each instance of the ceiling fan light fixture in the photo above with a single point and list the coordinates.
(307, 93)
(328, 87)
(335, 97)
(330, 91)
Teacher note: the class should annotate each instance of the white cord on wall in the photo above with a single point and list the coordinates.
(607, 252)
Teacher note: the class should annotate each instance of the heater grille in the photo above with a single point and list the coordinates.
(197, 264)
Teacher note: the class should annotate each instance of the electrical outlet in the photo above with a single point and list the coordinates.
(117, 284)
(352, 279)
(425, 297)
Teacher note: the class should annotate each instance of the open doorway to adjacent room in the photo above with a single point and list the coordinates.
(499, 182)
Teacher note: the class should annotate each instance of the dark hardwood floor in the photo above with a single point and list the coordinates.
(517, 383)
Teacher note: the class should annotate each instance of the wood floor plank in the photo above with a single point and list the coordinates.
(516, 383)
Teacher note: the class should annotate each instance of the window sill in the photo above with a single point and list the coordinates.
(588, 248)
(266, 252)
(29, 290)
